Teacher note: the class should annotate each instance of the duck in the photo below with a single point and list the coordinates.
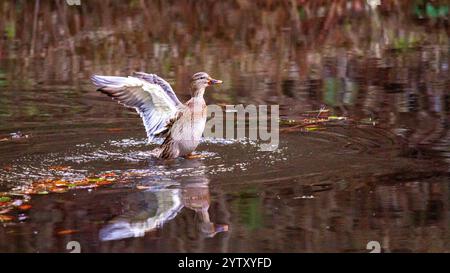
(177, 127)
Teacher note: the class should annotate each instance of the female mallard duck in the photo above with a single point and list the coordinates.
(179, 125)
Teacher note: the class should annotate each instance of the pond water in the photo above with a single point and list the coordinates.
(364, 152)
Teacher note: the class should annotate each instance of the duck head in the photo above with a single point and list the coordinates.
(200, 81)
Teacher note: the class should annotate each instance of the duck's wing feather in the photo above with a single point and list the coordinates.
(155, 79)
(150, 100)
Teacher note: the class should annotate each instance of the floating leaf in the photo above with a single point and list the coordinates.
(58, 190)
(25, 207)
(6, 218)
(5, 199)
(67, 232)
(111, 174)
(103, 182)
(61, 184)
(84, 182)
(288, 122)
(96, 179)
(336, 118)
(311, 128)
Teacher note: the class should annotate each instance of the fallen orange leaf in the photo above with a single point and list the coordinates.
(103, 182)
(58, 190)
(6, 218)
(25, 207)
(67, 232)
(109, 174)
(61, 184)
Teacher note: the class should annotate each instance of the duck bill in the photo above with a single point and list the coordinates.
(214, 81)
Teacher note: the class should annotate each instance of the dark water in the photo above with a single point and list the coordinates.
(382, 174)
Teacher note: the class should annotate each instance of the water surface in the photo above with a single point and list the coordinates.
(380, 174)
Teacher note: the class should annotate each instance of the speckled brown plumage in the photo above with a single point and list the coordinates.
(179, 125)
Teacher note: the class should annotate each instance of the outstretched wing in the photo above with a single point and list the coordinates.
(154, 105)
(155, 79)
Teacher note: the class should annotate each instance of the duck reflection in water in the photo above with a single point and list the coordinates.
(151, 209)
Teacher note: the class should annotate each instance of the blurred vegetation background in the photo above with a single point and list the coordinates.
(229, 37)
(373, 62)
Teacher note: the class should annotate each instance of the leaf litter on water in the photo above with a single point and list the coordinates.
(317, 120)
(18, 198)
